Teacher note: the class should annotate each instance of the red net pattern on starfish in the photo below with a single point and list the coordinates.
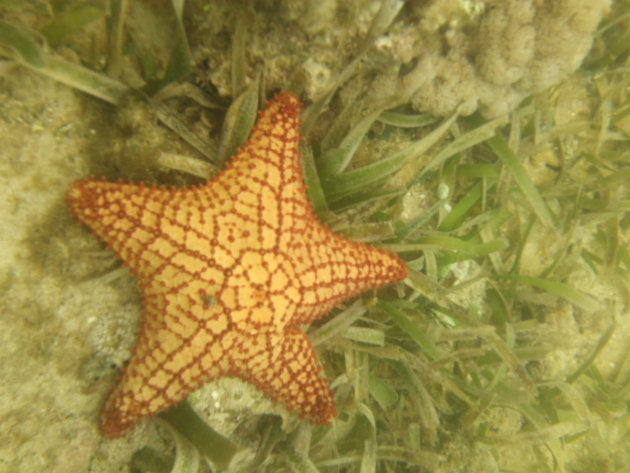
(229, 271)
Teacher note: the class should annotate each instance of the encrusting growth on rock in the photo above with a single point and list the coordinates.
(229, 271)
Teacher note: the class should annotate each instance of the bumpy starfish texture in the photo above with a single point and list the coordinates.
(229, 271)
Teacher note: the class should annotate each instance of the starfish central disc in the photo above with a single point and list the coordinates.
(229, 271)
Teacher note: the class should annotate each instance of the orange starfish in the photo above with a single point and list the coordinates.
(229, 271)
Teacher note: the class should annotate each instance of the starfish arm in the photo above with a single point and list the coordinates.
(166, 236)
(177, 351)
(333, 269)
(145, 388)
(285, 368)
(265, 178)
(143, 225)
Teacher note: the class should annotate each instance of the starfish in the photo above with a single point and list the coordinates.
(229, 272)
